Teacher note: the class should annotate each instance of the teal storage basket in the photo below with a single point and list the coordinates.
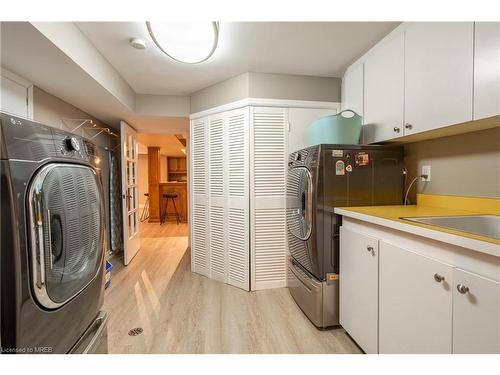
(336, 129)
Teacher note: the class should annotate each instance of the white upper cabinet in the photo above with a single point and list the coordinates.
(384, 91)
(14, 96)
(476, 314)
(352, 89)
(487, 70)
(438, 74)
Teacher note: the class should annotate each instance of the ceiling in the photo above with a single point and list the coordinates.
(305, 48)
(26, 52)
(169, 144)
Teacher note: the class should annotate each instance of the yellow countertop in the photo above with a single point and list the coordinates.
(433, 205)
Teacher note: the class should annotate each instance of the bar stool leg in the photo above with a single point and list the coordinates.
(165, 213)
(145, 211)
(176, 212)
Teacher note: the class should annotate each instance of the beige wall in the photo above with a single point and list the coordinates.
(49, 110)
(270, 86)
(142, 175)
(227, 91)
(465, 165)
(294, 87)
(163, 169)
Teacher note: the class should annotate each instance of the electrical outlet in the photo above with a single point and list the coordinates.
(426, 169)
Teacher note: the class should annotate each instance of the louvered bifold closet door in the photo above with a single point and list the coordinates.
(238, 203)
(217, 197)
(200, 233)
(267, 191)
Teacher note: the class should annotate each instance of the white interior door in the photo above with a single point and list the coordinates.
(130, 200)
(200, 225)
(238, 198)
(267, 197)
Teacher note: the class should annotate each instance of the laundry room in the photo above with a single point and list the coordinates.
(260, 186)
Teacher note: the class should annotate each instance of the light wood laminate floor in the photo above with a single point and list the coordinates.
(183, 312)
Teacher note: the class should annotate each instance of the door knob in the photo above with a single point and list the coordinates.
(408, 126)
(462, 289)
(438, 277)
(396, 129)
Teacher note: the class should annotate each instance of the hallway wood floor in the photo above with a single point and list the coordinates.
(183, 312)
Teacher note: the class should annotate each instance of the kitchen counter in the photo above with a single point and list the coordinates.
(433, 205)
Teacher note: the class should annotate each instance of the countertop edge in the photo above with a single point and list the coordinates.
(462, 241)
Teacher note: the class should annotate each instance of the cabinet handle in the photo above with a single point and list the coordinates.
(462, 289)
(369, 249)
(438, 277)
(396, 129)
(408, 126)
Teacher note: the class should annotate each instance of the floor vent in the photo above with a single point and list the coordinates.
(135, 332)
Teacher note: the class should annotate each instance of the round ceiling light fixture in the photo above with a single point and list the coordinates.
(185, 42)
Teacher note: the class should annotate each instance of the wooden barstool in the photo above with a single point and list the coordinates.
(145, 210)
(170, 196)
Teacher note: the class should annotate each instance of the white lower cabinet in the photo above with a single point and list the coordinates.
(395, 300)
(415, 303)
(476, 314)
(359, 288)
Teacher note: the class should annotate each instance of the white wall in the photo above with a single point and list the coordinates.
(69, 39)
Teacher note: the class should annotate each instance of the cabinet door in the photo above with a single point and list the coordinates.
(384, 92)
(359, 288)
(415, 300)
(238, 197)
(182, 164)
(200, 229)
(14, 97)
(486, 69)
(298, 120)
(267, 197)
(217, 185)
(476, 314)
(438, 75)
(352, 89)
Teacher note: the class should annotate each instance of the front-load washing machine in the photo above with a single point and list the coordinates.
(52, 247)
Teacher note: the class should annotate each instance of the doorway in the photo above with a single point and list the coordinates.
(163, 182)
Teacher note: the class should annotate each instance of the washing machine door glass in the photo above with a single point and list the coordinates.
(299, 202)
(66, 214)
